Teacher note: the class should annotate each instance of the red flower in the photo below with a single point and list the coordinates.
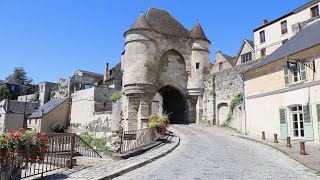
(10, 131)
(39, 134)
(41, 158)
(23, 167)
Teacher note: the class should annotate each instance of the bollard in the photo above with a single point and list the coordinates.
(302, 148)
(275, 138)
(288, 142)
(263, 136)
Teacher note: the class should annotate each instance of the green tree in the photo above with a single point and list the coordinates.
(20, 75)
(4, 93)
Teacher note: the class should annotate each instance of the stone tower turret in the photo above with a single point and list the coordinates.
(199, 59)
(139, 64)
(199, 64)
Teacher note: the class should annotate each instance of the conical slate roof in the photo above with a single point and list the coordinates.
(141, 23)
(197, 32)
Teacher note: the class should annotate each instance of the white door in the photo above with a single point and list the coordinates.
(297, 122)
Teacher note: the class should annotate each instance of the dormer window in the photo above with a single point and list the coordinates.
(284, 28)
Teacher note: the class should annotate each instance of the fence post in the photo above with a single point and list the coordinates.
(263, 135)
(73, 137)
(275, 138)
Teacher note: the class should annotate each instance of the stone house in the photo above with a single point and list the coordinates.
(271, 35)
(222, 62)
(162, 56)
(15, 88)
(113, 78)
(282, 91)
(246, 52)
(13, 113)
(54, 111)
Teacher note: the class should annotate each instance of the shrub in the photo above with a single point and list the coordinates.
(24, 147)
(158, 121)
(58, 128)
(115, 96)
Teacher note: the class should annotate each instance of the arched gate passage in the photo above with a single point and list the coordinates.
(174, 104)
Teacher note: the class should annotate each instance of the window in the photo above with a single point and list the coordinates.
(29, 121)
(284, 29)
(220, 66)
(262, 37)
(41, 88)
(246, 57)
(197, 65)
(12, 88)
(314, 11)
(297, 122)
(263, 52)
(294, 72)
(36, 121)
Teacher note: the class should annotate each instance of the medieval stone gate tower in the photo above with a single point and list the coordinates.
(162, 56)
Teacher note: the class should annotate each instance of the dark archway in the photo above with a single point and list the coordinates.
(174, 104)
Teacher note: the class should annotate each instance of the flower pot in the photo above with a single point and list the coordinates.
(15, 173)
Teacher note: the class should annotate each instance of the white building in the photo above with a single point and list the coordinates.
(271, 35)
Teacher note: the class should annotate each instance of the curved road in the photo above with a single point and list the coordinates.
(205, 153)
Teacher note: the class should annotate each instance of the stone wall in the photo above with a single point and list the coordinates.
(219, 90)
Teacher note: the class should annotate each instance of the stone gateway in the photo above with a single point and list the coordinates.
(162, 56)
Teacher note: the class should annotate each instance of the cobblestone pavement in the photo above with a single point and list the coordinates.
(207, 154)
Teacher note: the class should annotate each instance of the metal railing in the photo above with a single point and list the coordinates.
(131, 140)
(62, 148)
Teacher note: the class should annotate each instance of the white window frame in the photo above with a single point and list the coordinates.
(246, 57)
(299, 113)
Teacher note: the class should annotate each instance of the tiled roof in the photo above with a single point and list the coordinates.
(114, 72)
(11, 81)
(197, 32)
(251, 43)
(141, 23)
(307, 38)
(91, 73)
(47, 107)
(230, 59)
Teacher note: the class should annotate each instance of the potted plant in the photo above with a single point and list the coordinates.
(160, 122)
(19, 149)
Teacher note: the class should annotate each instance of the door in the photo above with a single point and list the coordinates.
(297, 122)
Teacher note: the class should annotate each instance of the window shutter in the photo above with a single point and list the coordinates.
(303, 72)
(286, 75)
(306, 114)
(282, 113)
(318, 112)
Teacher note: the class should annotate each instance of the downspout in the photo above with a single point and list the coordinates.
(244, 104)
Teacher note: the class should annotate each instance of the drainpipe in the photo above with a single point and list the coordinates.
(244, 104)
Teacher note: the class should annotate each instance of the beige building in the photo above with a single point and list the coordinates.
(222, 62)
(271, 35)
(246, 52)
(54, 111)
(282, 92)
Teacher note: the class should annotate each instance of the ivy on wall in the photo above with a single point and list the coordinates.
(237, 99)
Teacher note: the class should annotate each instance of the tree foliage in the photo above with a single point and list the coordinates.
(4, 93)
(20, 75)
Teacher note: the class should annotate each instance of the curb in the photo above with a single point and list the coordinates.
(278, 149)
(140, 164)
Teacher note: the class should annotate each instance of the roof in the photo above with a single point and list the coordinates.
(11, 81)
(88, 72)
(245, 41)
(197, 32)
(288, 14)
(141, 23)
(47, 107)
(230, 59)
(114, 72)
(163, 22)
(250, 43)
(307, 38)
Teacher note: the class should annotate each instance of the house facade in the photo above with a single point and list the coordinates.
(54, 111)
(222, 62)
(282, 91)
(246, 52)
(271, 35)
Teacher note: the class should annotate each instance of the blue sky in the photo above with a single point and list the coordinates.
(54, 38)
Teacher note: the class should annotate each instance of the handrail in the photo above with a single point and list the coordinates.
(87, 145)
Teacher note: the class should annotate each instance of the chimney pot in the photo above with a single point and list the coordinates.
(106, 72)
(264, 22)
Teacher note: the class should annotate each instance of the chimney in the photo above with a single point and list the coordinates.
(105, 75)
(264, 22)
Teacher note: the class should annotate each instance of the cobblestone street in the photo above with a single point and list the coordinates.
(207, 154)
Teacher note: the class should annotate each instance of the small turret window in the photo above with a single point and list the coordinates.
(197, 65)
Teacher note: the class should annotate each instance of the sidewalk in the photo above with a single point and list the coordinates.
(116, 168)
(312, 160)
